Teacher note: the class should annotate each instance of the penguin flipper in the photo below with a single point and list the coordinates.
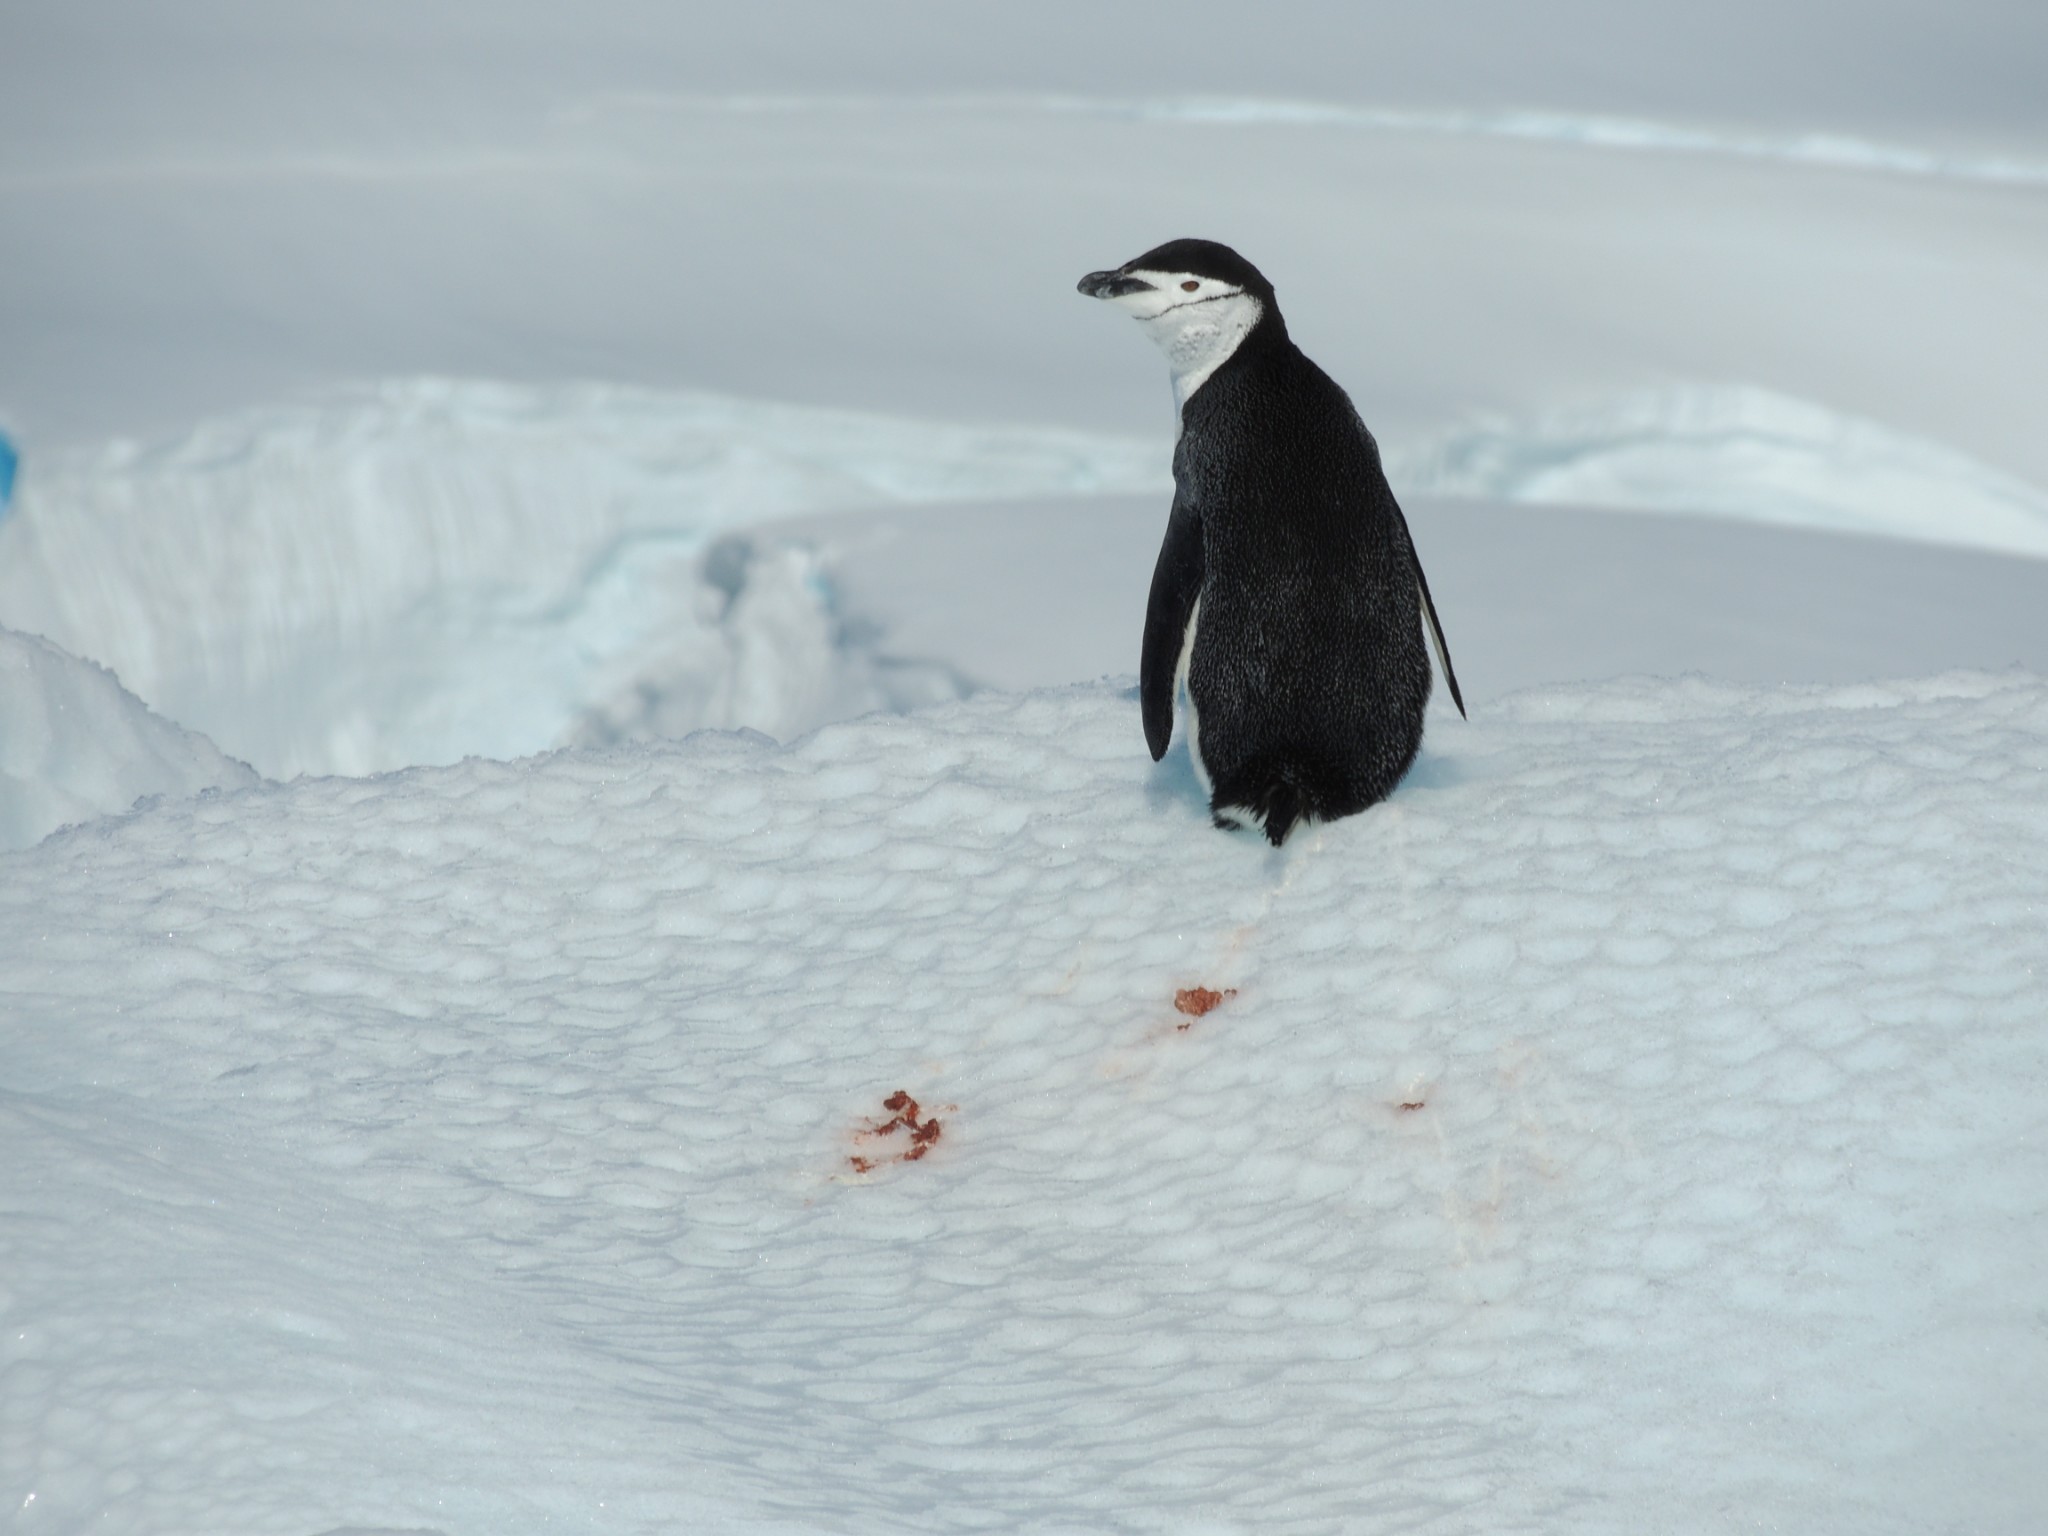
(1176, 584)
(1436, 635)
(1428, 605)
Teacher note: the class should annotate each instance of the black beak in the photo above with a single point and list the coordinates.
(1111, 285)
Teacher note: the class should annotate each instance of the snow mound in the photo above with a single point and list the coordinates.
(75, 744)
(1646, 1098)
(1741, 453)
(431, 569)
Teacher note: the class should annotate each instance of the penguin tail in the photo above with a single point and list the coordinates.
(1271, 793)
(1283, 809)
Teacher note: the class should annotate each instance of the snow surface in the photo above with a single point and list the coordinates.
(1635, 1124)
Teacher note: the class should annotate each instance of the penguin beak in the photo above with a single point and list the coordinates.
(1111, 285)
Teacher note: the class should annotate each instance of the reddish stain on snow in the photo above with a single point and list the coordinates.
(1196, 1001)
(922, 1132)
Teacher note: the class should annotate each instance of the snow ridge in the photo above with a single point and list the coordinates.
(431, 569)
(75, 744)
(1595, 131)
(427, 569)
(1737, 452)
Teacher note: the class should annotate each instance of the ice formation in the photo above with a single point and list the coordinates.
(76, 745)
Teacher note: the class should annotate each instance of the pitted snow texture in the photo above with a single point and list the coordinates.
(1634, 1124)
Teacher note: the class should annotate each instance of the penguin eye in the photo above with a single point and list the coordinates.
(1189, 286)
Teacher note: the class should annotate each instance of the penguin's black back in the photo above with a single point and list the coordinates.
(1309, 673)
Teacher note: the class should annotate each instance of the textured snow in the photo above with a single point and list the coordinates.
(75, 744)
(1647, 1096)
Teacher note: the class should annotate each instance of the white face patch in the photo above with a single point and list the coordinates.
(1197, 326)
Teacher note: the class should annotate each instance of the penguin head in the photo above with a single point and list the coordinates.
(1197, 299)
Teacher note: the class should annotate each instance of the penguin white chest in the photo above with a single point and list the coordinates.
(1183, 692)
(1199, 336)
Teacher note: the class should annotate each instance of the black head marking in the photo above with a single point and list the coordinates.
(1204, 258)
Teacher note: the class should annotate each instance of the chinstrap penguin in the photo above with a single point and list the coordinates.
(1288, 597)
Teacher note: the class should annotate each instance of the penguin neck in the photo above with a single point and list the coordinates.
(1200, 338)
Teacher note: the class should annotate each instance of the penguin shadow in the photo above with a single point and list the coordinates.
(1172, 784)
(1433, 771)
